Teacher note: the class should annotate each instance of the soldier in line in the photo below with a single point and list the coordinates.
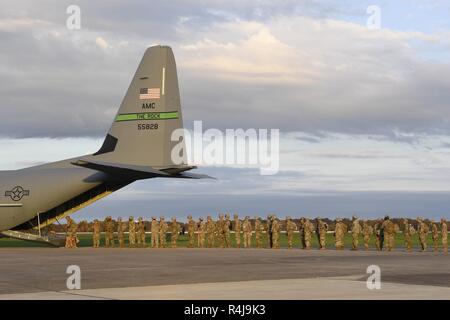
(367, 231)
(247, 228)
(444, 235)
(201, 233)
(259, 228)
(322, 228)
(308, 229)
(141, 233)
(210, 231)
(191, 231)
(408, 232)
(227, 225)
(71, 238)
(379, 235)
(356, 230)
(96, 234)
(131, 232)
(163, 227)
(291, 227)
(435, 235)
(174, 231)
(237, 230)
(73, 234)
(301, 232)
(68, 243)
(389, 233)
(423, 230)
(154, 229)
(219, 230)
(121, 232)
(141, 226)
(269, 231)
(109, 232)
(275, 232)
(339, 233)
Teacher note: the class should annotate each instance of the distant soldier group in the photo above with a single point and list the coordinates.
(204, 234)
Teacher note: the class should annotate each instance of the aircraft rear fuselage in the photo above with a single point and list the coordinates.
(25, 193)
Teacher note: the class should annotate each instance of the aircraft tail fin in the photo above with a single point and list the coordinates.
(150, 111)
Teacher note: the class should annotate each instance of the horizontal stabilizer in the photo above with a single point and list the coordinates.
(189, 175)
(117, 169)
(139, 172)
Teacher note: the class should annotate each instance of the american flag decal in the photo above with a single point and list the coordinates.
(149, 93)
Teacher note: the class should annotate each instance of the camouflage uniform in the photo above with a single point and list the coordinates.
(174, 231)
(247, 228)
(226, 230)
(121, 232)
(219, 230)
(322, 228)
(301, 233)
(408, 232)
(308, 229)
(71, 238)
(339, 233)
(291, 227)
(435, 235)
(356, 230)
(131, 232)
(141, 233)
(389, 233)
(210, 230)
(73, 233)
(423, 233)
(201, 233)
(269, 231)
(154, 229)
(96, 234)
(444, 235)
(367, 231)
(259, 228)
(275, 232)
(191, 231)
(237, 230)
(163, 227)
(379, 235)
(109, 232)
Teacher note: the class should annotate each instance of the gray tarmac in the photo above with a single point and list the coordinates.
(30, 273)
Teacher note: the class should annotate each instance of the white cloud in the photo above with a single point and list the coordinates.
(283, 70)
(102, 43)
(15, 24)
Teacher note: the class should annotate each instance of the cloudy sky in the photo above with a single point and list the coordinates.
(363, 114)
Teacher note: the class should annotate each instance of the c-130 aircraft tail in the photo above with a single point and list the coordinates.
(140, 136)
(137, 146)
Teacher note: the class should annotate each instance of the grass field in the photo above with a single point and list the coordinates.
(86, 241)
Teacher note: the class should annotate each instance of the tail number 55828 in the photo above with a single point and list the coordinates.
(147, 126)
